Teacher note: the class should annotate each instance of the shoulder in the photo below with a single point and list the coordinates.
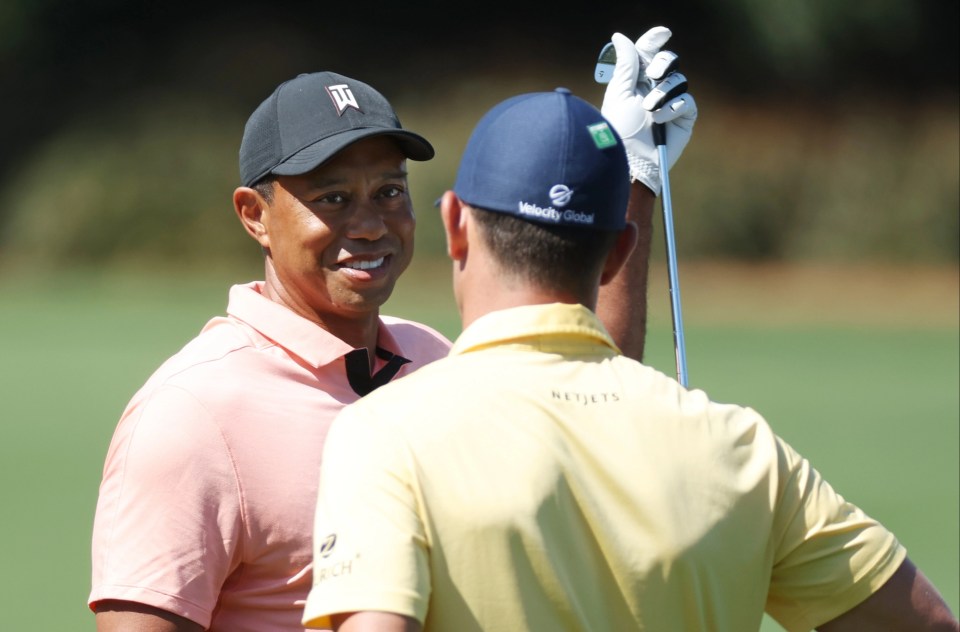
(214, 362)
(227, 343)
(413, 328)
(694, 415)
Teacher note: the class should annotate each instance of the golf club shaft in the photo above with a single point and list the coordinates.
(660, 137)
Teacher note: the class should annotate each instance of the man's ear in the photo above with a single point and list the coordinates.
(253, 212)
(455, 217)
(626, 242)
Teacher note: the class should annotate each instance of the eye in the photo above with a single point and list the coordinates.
(331, 198)
(392, 191)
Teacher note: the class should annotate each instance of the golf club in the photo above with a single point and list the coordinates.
(606, 62)
(679, 344)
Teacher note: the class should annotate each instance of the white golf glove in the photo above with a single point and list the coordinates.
(633, 108)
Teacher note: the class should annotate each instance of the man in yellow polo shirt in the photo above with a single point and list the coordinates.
(537, 479)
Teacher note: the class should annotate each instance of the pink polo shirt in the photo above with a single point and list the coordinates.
(207, 500)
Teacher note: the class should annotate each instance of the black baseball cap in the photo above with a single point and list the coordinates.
(310, 118)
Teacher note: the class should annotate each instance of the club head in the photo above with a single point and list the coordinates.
(605, 64)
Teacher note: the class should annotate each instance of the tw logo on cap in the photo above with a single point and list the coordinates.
(342, 97)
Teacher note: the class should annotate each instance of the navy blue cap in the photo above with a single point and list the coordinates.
(310, 118)
(547, 157)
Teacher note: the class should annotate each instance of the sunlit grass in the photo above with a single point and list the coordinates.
(874, 407)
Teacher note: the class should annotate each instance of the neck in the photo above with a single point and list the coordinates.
(357, 329)
(499, 293)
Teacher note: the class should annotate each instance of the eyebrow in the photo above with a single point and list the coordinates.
(321, 182)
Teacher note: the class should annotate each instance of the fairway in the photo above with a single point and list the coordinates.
(873, 403)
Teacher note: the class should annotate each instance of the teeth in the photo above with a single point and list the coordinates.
(364, 265)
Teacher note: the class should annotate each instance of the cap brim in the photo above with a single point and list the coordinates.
(414, 147)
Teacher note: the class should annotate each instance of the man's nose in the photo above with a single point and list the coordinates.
(366, 222)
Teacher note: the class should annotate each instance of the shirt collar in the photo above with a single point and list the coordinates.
(544, 322)
(302, 337)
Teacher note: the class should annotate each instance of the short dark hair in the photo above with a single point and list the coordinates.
(264, 186)
(553, 257)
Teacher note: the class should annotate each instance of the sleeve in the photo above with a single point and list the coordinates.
(829, 554)
(370, 546)
(168, 519)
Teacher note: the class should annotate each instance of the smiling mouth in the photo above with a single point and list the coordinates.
(364, 265)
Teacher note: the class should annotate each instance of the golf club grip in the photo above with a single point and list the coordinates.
(659, 134)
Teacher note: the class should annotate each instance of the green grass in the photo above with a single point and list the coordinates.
(874, 408)
(876, 411)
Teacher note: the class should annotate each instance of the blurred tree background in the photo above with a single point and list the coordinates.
(827, 130)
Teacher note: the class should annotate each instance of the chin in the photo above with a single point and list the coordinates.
(366, 302)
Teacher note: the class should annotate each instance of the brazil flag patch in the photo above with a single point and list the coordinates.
(602, 135)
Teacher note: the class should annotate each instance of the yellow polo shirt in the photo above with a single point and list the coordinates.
(538, 480)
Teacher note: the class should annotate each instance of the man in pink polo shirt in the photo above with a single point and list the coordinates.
(203, 521)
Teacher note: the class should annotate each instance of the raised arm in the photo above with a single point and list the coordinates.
(622, 303)
(632, 106)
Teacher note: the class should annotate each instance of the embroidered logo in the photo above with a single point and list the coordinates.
(602, 135)
(342, 97)
(560, 194)
(326, 547)
(551, 214)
